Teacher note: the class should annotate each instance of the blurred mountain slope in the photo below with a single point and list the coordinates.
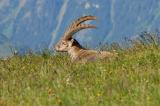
(38, 24)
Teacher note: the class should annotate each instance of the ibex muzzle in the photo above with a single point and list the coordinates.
(74, 49)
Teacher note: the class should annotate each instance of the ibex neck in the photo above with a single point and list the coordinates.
(74, 51)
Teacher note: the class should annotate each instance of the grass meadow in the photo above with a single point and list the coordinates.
(131, 79)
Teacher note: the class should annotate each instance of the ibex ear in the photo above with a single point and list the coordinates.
(72, 40)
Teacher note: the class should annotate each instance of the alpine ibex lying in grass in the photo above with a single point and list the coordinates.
(74, 49)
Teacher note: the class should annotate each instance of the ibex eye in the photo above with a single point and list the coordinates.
(64, 43)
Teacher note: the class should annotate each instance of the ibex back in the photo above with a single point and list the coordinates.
(74, 49)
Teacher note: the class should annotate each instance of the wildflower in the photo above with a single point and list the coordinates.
(99, 94)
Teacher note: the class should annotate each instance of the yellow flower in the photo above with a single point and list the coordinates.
(99, 94)
(59, 102)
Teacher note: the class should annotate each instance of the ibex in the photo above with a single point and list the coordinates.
(74, 49)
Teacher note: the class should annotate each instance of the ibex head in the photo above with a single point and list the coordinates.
(63, 45)
(67, 41)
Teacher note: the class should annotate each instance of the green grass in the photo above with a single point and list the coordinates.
(131, 79)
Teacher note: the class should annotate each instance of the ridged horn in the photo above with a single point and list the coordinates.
(77, 26)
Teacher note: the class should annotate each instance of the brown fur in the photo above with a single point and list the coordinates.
(74, 49)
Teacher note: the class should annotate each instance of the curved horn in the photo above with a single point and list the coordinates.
(85, 18)
(77, 26)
